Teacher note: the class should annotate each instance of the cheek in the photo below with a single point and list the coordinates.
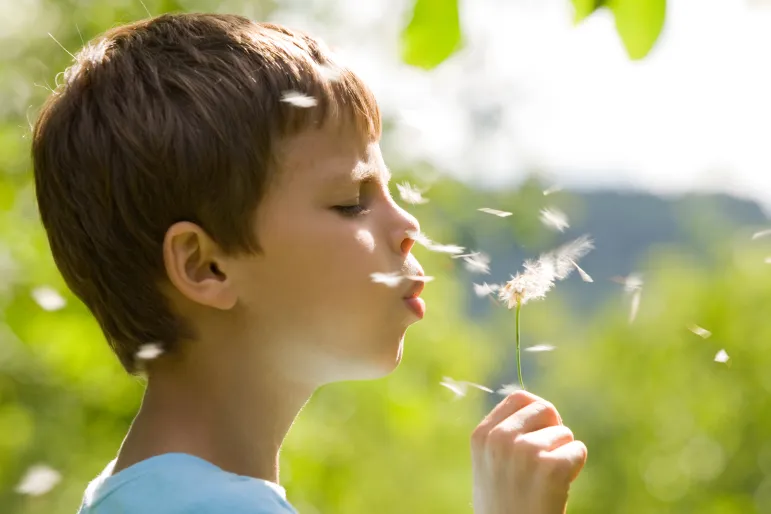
(365, 239)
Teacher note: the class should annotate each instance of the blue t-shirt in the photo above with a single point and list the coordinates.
(179, 483)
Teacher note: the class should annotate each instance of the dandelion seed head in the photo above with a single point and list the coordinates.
(149, 351)
(722, 356)
(410, 193)
(540, 348)
(700, 331)
(298, 99)
(495, 212)
(38, 480)
(524, 287)
(508, 389)
(48, 298)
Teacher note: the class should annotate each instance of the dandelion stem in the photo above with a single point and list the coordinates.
(519, 358)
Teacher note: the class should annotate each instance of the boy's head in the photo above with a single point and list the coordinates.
(188, 204)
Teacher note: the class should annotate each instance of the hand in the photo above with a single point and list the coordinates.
(523, 458)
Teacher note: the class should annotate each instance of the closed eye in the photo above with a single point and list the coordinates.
(351, 210)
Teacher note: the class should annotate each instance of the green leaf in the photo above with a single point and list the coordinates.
(639, 23)
(584, 8)
(433, 34)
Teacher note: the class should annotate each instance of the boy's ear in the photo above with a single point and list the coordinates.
(195, 266)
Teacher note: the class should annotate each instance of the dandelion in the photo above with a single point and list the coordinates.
(768, 260)
(460, 387)
(495, 212)
(538, 278)
(485, 289)
(48, 298)
(540, 348)
(508, 389)
(554, 218)
(38, 480)
(298, 99)
(149, 351)
(410, 193)
(722, 356)
(762, 233)
(700, 331)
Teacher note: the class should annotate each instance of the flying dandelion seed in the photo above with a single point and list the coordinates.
(762, 233)
(482, 290)
(477, 263)
(418, 278)
(38, 480)
(722, 356)
(298, 99)
(584, 275)
(391, 279)
(460, 387)
(419, 237)
(495, 212)
(555, 219)
(632, 286)
(508, 389)
(440, 248)
(48, 298)
(538, 278)
(768, 260)
(149, 351)
(411, 194)
(540, 348)
(700, 331)
(330, 72)
(394, 278)
(552, 190)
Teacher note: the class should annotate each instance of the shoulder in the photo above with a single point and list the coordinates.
(234, 497)
(183, 484)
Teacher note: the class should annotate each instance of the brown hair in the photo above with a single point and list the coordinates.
(169, 119)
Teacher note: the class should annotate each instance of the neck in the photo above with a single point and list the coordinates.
(235, 419)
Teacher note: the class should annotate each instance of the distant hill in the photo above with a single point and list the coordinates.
(626, 226)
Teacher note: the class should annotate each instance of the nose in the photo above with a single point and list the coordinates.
(406, 224)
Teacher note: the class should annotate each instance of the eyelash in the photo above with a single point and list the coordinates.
(351, 211)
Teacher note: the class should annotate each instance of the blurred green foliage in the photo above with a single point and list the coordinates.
(668, 429)
(434, 32)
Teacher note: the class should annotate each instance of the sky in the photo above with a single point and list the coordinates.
(531, 90)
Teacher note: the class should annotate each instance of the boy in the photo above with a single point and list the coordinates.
(212, 188)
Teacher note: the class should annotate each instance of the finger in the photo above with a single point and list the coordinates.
(549, 438)
(533, 416)
(508, 406)
(569, 459)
